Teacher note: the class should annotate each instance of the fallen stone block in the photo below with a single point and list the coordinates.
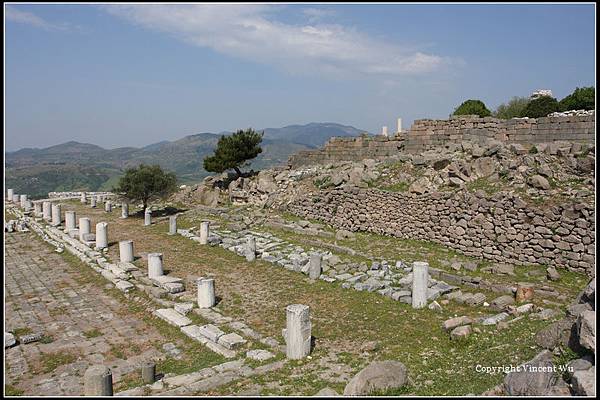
(172, 317)
(211, 332)
(259, 355)
(231, 341)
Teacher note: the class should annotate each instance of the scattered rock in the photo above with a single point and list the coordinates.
(378, 375)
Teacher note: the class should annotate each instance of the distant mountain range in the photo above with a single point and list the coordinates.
(83, 166)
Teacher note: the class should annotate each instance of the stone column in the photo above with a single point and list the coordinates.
(9, 194)
(70, 221)
(56, 215)
(28, 205)
(108, 206)
(384, 131)
(298, 331)
(15, 199)
(420, 272)
(155, 265)
(250, 249)
(84, 227)
(149, 372)
(204, 230)
(124, 210)
(93, 201)
(126, 250)
(47, 210)
(97, 381)
(314, 266)
(101, 235)
(206, 292)
(22, 200)
(37, 209)
(173, 225)
(83, 197)
(147, 217)
(399, 125)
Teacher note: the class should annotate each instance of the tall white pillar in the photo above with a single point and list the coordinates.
(84, 227)
(126, 250)
(47, 210)
(56, 215)
(70, 221)
(204, 230)
(101, 235)
(384, 131)
(108, 206)
(314, 266)
(399, 125)
(420, 272)
(124, 210)
(147, 217)
(173, 225)
(298, 331)
(206, 292)
(155, 265)
(250, 248)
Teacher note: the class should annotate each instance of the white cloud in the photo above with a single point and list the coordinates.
(317, 14)
(249, 32)
(24, 17)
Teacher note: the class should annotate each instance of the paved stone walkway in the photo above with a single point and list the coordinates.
(44, 293)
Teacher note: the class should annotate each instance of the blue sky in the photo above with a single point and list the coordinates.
(131, 75)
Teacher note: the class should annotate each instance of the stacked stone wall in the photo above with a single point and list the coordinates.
(501, 228)
(428, 134)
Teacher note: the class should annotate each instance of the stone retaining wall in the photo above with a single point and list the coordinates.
(502, 228)
(428, 134)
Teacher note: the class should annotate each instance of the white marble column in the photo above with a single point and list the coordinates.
(250, 248)
(124, 210)
(56, 215)
(47, 210)
(37, 209)
(70, 221)
(147, 217)
(204, 231)
(384, 131)
(28, 205)
(97, 381)
(84, 227)
(315, 266)
(101, 235)
(126, 250)
(173, 225)
(93, 200)
(155, 265)
(22, 200)
(399, 125)
(298, 331)
(108, 206)
(83, 197)
(420, 272)
(15, 198)
(206, 292)
(9, 194)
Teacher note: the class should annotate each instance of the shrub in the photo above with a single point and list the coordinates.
(540, 107)
(146, 182)
(514, 108)
(472, 107)
(581, 99)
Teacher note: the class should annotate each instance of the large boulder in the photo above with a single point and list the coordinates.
(559, 333)
(266, 182)
(378, 375)
(586, 328)
(584, 382)
(528, 382)
(420, 186)
(539, 182)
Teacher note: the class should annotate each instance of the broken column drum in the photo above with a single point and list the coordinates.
(15, 198)
(124, 210)
(84, 227)
(147, 217)
(298, 331)
(93, 201)
(204, 231)
(70, 221)
(9, 194)
(173, 225)
(206, 292)
(97, 381)
(22, 200)
(101, 235)
(47, 210)
(37, 209)
(126, 250)
(83, 197)
(108, 206)
(56, 214)
(419, 285)
(155, 265)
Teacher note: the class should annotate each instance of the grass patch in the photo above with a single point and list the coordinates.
(51, 361)
(10, 390)
(92, 333)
